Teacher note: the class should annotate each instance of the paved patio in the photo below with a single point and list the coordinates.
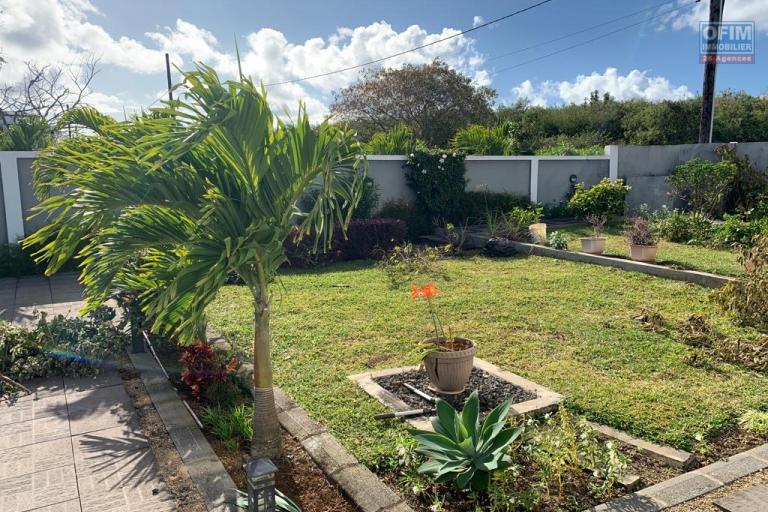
(21, 297)
(77, 445)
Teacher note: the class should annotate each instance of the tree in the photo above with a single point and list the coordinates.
(170, 203)
(45, 92)
(433, 100)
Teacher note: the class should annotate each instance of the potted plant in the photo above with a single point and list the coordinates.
(594, 244)
(642, 240)
(448, 360)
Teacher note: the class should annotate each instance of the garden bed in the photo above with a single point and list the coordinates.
(298, 477)
(673, 255)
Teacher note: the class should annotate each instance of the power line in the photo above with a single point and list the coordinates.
(603, 36)
(398, 54)
(566, 36)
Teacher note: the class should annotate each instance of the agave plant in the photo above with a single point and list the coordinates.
(173, 202)
(463, 450)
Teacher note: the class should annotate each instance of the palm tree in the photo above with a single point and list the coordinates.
(170, 203)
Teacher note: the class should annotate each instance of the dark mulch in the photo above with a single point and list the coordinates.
(728, 444)
(492, 390)
(298, 477)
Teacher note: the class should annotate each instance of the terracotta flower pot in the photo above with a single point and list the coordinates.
(646, 253)
(592, 245)
(449, 371)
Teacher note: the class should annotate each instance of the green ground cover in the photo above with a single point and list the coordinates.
(566, 325)
(689, 257)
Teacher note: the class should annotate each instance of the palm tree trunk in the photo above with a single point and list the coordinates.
(267, 441)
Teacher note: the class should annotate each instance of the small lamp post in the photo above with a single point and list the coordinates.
(260, 477)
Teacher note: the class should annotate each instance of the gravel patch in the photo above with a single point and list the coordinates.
(492, 390)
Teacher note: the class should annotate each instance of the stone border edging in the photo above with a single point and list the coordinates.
(690, 485)
(665, 454)
(204, 466)
(546, 400)
(358, 482)
(691, 276)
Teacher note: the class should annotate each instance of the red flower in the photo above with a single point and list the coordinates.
(415, 292)
(429, 291)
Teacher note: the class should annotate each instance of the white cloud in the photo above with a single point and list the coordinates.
(477, 20)
(634, 85)
(735, 10)
(60, 32)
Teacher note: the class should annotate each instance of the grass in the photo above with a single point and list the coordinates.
(565, 325)
(688, 257)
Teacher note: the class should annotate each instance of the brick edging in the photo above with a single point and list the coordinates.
(690, 485)
(358, 482)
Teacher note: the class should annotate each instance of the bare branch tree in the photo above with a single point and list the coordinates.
(46, 91)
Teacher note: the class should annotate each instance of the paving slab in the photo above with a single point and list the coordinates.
(34, 431)
(85, 383)
(34, 490)
(67, 506)
(35, 457)
(41, 388)
(28, 410)
(99, 409)
(754, 499)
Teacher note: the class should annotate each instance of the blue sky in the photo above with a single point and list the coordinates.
(656, 59)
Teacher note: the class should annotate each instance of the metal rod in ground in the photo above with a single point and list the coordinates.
(152, 349)
(420, 392)
(194, 416)
(403, 414)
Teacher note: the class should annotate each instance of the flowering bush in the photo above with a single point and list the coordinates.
(437, 179)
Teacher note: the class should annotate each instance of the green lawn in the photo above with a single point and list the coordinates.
(565, 325)
(689, 257)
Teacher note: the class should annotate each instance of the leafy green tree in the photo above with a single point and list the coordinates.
(171, 203)
(433, 100)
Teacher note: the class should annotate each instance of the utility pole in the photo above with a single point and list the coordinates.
(707, 119)
(168, 76)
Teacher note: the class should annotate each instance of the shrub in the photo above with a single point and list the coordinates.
(558, 240)
(477, 139)
(208, 375)
(747, 297)
(416, 224)
(606, 198)
(399, 140)
(404, 264)
(735, 231)
(682, 227)
(514, 225)
(475, 205)
(26, 134)
(703, 185)
(749, 186)
(640, 232)
(553, 456)
(16, 261)
(366, 238)
(437, 180)
(461, 449)
(58, 346)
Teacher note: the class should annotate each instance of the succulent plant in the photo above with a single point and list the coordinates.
(464, 450)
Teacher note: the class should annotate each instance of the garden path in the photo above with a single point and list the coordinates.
(75, 445)
(21, 297)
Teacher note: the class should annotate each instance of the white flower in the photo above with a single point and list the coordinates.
(454, 155)
(411, 155)
(423, 171)
(445, 156)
